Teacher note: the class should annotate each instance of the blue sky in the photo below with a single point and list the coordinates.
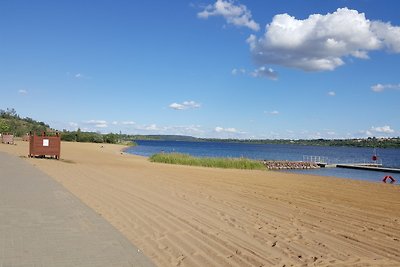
(237, 69)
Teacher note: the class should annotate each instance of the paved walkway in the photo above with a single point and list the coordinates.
(42, 224)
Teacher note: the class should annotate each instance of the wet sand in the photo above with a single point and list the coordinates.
(193, 216)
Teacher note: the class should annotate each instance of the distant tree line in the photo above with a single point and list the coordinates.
(393, 142)
(163, 138)
(11, 122)
(89, 137)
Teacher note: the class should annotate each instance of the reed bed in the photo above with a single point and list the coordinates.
(226, 163)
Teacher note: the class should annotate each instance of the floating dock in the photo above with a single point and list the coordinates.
(369, 167)
(377, 165)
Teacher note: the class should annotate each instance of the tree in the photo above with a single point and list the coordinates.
(110, 138)
(4, 127)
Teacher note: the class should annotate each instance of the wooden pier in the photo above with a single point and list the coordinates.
(369, 167)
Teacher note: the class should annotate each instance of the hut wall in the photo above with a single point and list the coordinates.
(7, 139)
(45, 146)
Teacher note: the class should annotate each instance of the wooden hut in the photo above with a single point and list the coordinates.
(44, 145)
(7, 138)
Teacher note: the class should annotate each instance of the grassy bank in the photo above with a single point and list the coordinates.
(227, 163)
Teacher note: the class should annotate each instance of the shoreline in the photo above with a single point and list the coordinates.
(300, 168)
(196, 216)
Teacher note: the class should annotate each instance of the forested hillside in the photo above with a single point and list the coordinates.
(11, 122)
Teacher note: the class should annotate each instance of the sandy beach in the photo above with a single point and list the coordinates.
(193, 216)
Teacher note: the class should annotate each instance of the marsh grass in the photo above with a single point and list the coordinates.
(127, 143)
(226, 163)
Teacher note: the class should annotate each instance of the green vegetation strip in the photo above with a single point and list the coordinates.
(227, 163)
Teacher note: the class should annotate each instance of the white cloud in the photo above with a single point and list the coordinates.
(73, 126)
(184, 130)
(361, 133)
(260, 72)
(265, 72)
(22, 92)
(97, 123)
(177, 106)
(193, 130)
(378, 87)
(274, 112)
(390, 35)
(191, 104)
(368, 133)
(151, 127)
(320, 42)
(78, 75)
(225, 130)
(383, 129)
(219, 129)
(238, 71)
(331, 93)
(101, 125)
(114, 123)
(233, 13)
(381, 87)
(128, 123)
(185, 105)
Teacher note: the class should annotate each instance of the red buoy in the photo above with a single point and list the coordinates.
(392, 180)
(374, 155)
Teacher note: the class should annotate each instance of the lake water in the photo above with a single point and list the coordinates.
(390, 157)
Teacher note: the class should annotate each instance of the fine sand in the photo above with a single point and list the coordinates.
(193, 216)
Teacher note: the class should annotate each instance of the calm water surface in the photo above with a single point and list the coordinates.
(389, 157)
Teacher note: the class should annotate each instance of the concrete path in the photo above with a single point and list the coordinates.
(42, 224)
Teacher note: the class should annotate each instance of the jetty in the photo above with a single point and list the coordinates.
(367, 167)
(288, 165)
(323, 162)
